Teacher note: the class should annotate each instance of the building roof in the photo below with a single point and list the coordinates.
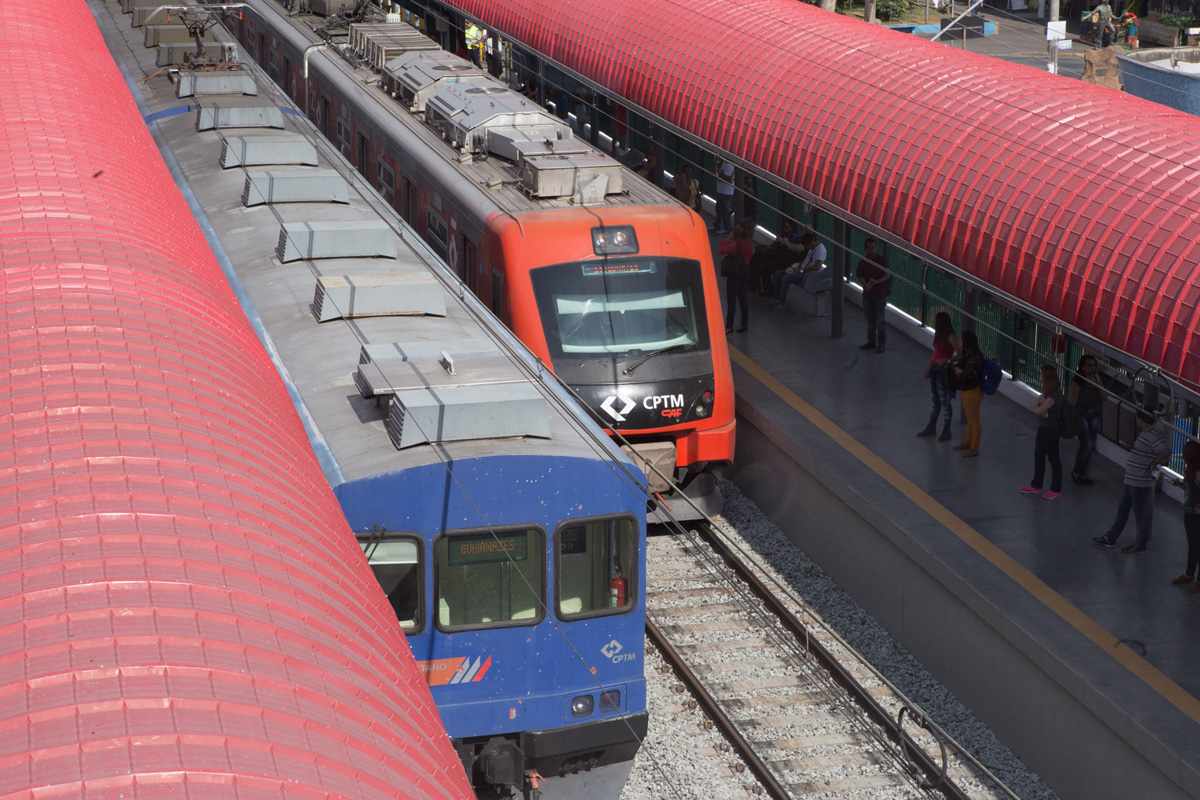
(1073, 198)
(184, 611)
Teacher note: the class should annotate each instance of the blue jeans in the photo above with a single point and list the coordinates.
(787, 281)
(1139, 499)
(939, 395)
(1089, 431)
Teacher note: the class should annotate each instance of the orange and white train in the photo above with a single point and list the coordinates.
(603, 275)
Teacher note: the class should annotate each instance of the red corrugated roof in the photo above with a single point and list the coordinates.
(1075, 198)
(183, 610)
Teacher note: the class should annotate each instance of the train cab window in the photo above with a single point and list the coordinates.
(490, 579)
(396, 562)
(621, 306)
(596, 564)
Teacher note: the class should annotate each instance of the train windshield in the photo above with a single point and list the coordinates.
(621, 306)
(489, 579)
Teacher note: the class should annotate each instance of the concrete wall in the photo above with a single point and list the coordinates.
(1177, 88)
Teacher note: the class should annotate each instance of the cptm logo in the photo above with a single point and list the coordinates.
(614, 651)
(451, 671)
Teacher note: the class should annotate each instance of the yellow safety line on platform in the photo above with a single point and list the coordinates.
(1104, 639)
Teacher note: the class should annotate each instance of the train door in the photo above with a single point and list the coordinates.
(261, 49)
(289, 86)
(471, 266)
(409, 202)
(323, 122)
(499, 304)
(364, 156)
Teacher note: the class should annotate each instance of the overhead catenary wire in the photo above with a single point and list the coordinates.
(495, 532)
(598, 445)
(535, 592)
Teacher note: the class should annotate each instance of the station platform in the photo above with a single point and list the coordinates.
(1086, 662)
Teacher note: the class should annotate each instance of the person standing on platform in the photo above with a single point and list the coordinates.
(1050, 408)
(876, 282)
(945, 345)
(735, 266)
(683, 185)
(1084, 396)
(1150, 450)
(1191, 514)
(967, 372)
(725, 191)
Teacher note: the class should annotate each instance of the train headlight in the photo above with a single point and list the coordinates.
(619, 240)
(703, 407)
(610, 700)
(582, 705)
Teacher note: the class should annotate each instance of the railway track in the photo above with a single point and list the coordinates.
(807, 717)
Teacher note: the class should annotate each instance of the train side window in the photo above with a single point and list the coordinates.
(490, 579)
(387, 182)
(596, 565)
(439, 235)
(396, 562)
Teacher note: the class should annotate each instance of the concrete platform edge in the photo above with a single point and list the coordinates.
(1033, 699)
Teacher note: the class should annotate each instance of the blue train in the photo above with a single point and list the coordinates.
(506, 529)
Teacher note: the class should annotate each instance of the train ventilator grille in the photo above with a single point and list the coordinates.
(378, 295)
(192, 84)
(294, 186)
(301, 241)
(268, 150)
(461, 413)
(212, 116)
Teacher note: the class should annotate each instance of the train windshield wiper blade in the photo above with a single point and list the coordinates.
(632, 367)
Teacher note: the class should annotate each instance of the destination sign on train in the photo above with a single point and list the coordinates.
(488, 548)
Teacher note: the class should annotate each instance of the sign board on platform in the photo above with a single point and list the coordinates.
(1056, 31)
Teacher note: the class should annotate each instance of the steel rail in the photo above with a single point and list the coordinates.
(933, 774)
(712, 707)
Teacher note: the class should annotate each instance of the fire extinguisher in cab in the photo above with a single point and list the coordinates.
(617, 590)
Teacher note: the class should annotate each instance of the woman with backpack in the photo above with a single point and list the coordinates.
(736, 252)
(967, 372)
(941, 389)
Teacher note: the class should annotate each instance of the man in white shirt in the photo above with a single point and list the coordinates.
(813, 263)
(725, 191)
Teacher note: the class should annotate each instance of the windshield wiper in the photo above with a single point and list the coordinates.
(632, 367)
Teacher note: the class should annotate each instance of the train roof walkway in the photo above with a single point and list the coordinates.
(1106, 629)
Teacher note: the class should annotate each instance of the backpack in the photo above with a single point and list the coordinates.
(991, 376)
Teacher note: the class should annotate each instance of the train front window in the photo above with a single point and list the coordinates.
(490, 578)
(596, 561)
(621, 307)
(396, 563)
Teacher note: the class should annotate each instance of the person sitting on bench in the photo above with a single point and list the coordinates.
(813, 263)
